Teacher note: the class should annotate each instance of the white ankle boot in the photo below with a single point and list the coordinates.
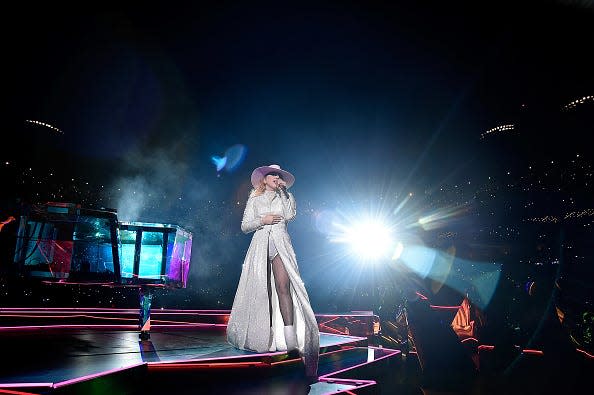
(290, 337)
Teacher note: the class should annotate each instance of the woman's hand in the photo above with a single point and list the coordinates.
(281, 183)
(271, 219)
(281, 187)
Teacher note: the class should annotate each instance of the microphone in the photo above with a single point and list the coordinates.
(284, 189)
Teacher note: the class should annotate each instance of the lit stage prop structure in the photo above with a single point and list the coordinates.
(65, 243)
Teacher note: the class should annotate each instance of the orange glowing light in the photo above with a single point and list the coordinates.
(6, 221)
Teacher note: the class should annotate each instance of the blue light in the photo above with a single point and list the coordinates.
(219, 162)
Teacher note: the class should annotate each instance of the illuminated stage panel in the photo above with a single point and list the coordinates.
(64, 242)
(127, 251)
(155, 253)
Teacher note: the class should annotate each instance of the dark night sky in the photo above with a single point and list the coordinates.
(355, 98)
(368, 78)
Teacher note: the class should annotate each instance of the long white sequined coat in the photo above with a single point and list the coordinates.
(249, 323)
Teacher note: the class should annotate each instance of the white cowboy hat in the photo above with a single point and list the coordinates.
(260, 172)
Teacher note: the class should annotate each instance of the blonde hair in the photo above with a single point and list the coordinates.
(259, 189)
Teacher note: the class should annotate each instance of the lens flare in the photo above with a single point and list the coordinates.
(478, 280)
(233, 157)
(398, 251)
(443, 217)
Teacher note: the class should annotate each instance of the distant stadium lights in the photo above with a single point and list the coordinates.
(571, 215)
(577, 102)
(500, 128)
(579, 214)
(545, 219)
(47, 125)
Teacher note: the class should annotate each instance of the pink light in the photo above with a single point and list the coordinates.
(585, 353)
(97, 313)
(469, 338)
(106, 309)
(347, 381)
(180, 322)
(191, 325)
(95, 375)
(328, 321)
(16, 392)
(486, 347)
(343, 348)
(67, 309)
(444, 307)
(347, 347)
(68, 316)
(203, 361)
(210, 365)
(134, 312)
(100, 326)
(532, 352)
(60, 282)
(352, 337)
(264, 355)
(421, 295)
(328, 376)
(335, 331)
(15, 385)
(344, 315)
(111, 310)
(72, 326)
(356, 383)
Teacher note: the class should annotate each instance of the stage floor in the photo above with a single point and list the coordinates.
(56, 355)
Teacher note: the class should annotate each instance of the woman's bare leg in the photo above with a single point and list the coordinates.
(283, 290)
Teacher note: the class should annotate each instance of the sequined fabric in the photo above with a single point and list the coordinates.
(249, 323)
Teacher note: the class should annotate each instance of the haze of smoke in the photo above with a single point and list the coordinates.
(160, 188)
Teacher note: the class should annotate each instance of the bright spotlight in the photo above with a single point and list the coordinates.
(370, 240)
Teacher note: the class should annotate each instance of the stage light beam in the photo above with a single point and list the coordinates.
(370, 240)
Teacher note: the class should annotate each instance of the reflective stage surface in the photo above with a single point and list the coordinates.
(81, 350)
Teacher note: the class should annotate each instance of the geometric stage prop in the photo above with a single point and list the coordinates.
(66, 243)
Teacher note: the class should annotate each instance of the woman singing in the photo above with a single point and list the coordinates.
(271, 310)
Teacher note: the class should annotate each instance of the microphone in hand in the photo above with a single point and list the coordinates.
(284, 190)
